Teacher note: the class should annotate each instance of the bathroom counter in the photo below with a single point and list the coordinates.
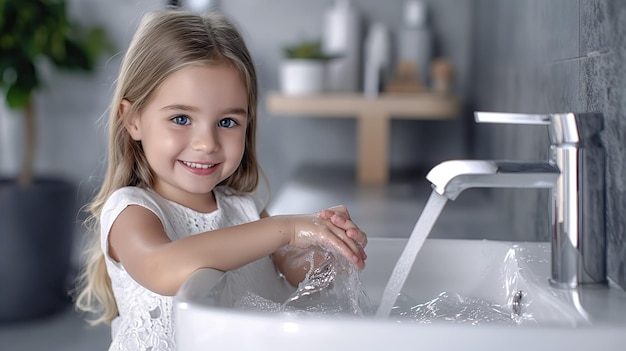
(373, 116)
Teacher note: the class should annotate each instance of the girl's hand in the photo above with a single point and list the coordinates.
(339, 216)
(331, 229)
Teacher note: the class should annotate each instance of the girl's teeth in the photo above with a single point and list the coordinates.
(198, 165)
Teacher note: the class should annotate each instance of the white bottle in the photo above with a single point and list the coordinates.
(342, 38)
(415, 39)
(377, 59)
(202, 5)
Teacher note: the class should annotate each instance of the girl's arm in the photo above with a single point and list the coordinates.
(137, 240)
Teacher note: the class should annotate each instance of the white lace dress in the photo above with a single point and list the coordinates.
(145, 320)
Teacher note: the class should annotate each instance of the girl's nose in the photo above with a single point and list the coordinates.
(206, 141)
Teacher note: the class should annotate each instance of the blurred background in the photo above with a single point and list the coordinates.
(534, 56)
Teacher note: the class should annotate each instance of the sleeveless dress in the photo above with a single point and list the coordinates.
(146, 320)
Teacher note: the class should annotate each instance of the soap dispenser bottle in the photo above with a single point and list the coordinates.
(415, 39)
(341, 38)
(377, 60)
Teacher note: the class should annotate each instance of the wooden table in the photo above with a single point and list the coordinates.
(373, 120)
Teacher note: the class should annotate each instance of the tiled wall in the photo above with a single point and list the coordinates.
(553, 56)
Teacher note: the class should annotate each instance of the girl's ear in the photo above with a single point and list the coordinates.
(131, 123)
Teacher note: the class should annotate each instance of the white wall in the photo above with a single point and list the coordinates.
(72, 107)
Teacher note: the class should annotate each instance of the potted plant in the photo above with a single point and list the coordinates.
(303, 70)
(37, 213)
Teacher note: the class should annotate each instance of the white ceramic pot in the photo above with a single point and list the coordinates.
(302, 77)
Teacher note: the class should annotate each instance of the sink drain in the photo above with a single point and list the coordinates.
(516, 305)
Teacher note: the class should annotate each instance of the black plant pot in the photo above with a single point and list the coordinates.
(36, 234)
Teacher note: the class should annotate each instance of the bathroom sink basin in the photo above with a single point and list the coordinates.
(460, 294)
(475, 277)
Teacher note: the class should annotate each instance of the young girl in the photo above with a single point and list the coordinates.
(181, 166)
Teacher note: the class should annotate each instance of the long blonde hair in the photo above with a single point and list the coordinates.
(165, 42)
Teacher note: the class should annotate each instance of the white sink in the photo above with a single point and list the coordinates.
(474, 275)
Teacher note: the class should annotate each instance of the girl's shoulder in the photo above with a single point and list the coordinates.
(122, 198)
(132, 195)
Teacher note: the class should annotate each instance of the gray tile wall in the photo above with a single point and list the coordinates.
(552, 56)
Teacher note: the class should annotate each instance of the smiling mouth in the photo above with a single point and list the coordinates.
(199, 165)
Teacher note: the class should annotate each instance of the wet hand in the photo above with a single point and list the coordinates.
(320, 230)
(340, 217)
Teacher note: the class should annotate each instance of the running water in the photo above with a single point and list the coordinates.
(400, 272)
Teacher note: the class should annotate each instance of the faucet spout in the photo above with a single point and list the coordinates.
(450, 178)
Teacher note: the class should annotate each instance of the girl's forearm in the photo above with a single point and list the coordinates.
(228, 248)
(232, 247)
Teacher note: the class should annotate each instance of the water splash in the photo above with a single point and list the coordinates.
(335, 286)
(453, 308)
(400, 272)
(316, 279)
(332, 288)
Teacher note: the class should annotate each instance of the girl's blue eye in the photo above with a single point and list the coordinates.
(227, 123)
(181, 120)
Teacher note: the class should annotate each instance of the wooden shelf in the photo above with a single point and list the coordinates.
(373, 116)
(411, 106)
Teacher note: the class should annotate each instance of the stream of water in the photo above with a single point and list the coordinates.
(424, 225)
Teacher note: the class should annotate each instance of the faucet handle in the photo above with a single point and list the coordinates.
(564, 128)
(511, 118)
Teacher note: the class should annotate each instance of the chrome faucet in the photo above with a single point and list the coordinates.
(574, 171)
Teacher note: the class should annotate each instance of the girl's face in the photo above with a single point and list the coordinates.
(193, 132)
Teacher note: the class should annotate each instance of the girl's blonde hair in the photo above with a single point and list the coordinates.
(165, 42)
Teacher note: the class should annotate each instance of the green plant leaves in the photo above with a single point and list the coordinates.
(19, 79)
(311, 50)
(34, 29)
